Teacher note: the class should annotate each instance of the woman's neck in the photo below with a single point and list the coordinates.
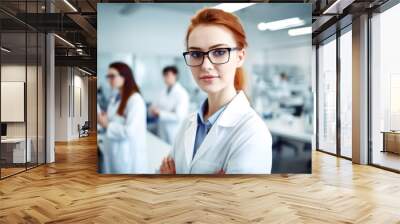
(219, 99)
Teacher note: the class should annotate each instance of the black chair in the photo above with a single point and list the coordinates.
(84, 130)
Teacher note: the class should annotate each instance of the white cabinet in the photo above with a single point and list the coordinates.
(19, 154)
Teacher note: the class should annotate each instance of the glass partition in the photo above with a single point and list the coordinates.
(346, 93)
(14, 153)
(385, 89)
(22, 88)
(327, 95)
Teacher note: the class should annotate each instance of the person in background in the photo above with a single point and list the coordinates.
(102, 100)
(226, 135)
(125, 124)
(283, 87)
(171, 107)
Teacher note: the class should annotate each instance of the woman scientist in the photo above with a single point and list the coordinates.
(226, 135)
(125, 124)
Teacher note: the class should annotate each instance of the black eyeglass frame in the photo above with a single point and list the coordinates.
(208, 55)
(111, 76)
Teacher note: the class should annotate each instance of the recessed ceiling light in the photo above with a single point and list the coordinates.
(84, 71)
(70, 5)
(64, 40)
(5, 49)
(232, 7)
(300, 31)
(281, 24)
(338, 6)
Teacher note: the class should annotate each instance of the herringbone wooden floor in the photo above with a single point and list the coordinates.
(70, 191)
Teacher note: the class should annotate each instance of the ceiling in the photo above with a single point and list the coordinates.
(137, 26)
(81, 26)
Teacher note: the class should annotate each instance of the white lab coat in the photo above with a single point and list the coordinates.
(239, 143)
(174, 107)
(125, 139)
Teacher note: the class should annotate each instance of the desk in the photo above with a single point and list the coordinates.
(295, 130)
(391, 141)
(156, 150)
(16, 147)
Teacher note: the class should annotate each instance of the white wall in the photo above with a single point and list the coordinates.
(79, 117)
(69, 82)
(293, 56)
(17, 73)
(14, 73)
(61, 103)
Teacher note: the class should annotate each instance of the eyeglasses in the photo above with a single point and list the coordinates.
(216, 56)
(111, 76)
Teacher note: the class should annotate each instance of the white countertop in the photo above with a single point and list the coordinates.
(295, 129)
(156, 150)
(14, 140)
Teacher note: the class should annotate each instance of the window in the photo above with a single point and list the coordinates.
(385, 89)
(327, 96)
(346, 92)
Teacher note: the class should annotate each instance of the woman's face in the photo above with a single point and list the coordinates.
(114, 78)
(213, 78)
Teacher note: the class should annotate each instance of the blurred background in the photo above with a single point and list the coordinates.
(149, 37)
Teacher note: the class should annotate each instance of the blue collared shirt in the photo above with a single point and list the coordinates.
(203, 127)
(117, 97)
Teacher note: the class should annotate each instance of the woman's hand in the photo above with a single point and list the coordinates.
(154, 111)
(168, 166)
(220, 172)
(102, 119)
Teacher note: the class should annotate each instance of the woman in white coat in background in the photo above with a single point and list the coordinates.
(125, 123)
(226, 135)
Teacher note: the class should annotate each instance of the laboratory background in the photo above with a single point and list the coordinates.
(149, 37)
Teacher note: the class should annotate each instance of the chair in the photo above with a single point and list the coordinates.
(84, 130)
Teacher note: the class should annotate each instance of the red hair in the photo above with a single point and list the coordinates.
(129, 88)
(210, 16)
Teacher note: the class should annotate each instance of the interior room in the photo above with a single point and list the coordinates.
(53, 69)
(22, 102)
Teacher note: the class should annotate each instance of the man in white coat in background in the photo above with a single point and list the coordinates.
(171, 107)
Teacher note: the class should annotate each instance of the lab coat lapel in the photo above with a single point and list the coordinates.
(208, 141)
(190, 135)
(235, 110)
(232, 114)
